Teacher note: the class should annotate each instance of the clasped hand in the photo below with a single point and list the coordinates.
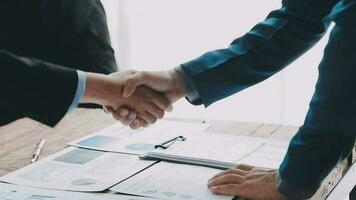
(145, 96)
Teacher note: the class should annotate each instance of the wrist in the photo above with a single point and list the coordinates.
(96, 89)
(179, 86)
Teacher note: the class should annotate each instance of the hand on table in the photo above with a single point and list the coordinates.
(247, 182)
(167, 83)
(146, 104)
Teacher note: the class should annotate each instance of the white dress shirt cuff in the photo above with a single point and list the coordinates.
(80, 90)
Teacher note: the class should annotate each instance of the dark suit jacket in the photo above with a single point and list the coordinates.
(41, 43)
(328, 133)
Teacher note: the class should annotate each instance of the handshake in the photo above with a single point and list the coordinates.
(137, 99)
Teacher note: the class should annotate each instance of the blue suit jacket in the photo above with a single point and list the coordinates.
(328, 133)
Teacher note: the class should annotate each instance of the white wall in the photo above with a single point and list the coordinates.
(161, 34)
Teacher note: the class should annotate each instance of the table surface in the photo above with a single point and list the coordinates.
(19, 138)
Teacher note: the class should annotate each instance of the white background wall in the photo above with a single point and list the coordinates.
(161, 34)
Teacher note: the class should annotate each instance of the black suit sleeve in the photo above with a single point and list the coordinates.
(79, 29)
(34, 88)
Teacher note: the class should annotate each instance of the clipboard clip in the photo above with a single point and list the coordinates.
(168, 143)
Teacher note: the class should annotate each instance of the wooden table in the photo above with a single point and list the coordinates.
(18, 139)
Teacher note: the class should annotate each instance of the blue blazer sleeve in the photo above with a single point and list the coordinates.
(329, 130)
(270, 46)
(326, 136)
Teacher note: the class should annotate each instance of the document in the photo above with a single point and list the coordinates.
(172, 181)
(223, 151)
(16, 192)
(77, 169)
(121, 139)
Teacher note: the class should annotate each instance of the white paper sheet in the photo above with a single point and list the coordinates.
(172, 181)
(77, 169)
(16, 192)
(231, 149)
(120, 139)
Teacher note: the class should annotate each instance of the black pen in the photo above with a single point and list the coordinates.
(171, 141)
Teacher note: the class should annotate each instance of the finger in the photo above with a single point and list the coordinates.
(229, 189)
(226, 179)
(230, 171)
(263, 169)
(118, 117)
(108, 109)
(139, 123)
(130, 118)
(144, 123)
(132, 115)
(133, 81)
(162, 102)
(148, 117)
(155, 111)
(125, 116)
(244, 167)
(123, 112)
(135, 124)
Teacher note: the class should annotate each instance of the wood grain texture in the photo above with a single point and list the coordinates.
(18, 139)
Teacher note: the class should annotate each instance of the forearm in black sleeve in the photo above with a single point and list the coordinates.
(35, 89)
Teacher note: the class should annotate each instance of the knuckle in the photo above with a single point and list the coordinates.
(153, 120)
(216, 190)
(161, 114)
(229, 176)
(125, 121)
(229, 187)
(144, 74)
(116, 116)
(166, 105)
(133, 126)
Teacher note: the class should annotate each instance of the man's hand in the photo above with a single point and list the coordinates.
(247, 182)
(167, 83)
(107, 91)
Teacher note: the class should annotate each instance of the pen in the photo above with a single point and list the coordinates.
(168, 143)
(38, 150)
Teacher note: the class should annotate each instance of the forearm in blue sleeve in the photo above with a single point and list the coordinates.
(329, 130)
(192, 93)
(312, 154)
(270, 46)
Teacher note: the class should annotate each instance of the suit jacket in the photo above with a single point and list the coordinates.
(41, 43)
(328, 133)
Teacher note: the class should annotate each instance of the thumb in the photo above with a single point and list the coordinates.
(132, 82)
